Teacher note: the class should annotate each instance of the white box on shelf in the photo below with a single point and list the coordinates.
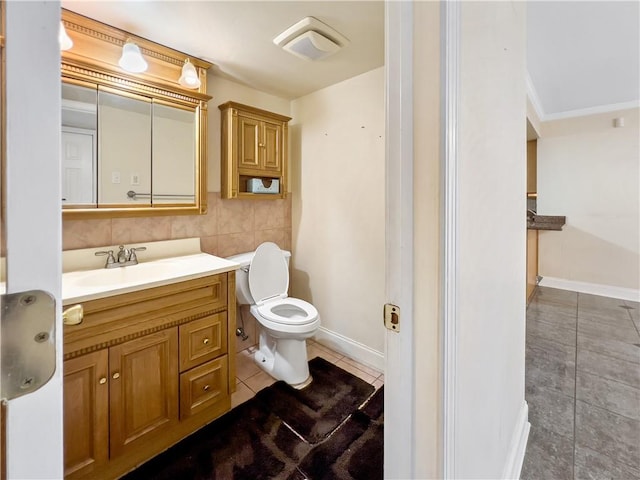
(263, 185)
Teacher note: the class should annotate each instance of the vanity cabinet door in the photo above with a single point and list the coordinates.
(86, 413)
(143, 389)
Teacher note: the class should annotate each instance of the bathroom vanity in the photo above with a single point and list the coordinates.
(149, 363)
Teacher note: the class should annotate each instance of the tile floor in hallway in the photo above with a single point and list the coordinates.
(582, 387)
(250, 379)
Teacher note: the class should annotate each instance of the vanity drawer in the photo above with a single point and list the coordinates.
(203, 387)
(202, 340)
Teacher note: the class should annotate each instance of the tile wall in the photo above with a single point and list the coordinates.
(229, 227)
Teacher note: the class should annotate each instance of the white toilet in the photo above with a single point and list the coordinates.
(285, 322)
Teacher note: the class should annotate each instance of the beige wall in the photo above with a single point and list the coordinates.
(337, 157)
(490, 406)
(590, 171)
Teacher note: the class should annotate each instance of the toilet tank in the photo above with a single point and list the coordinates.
(243, 294)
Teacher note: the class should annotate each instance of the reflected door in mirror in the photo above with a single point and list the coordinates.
(78, 166)
(78, 144)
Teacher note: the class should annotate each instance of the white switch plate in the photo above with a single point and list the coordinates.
(135, 179)
(115, 177)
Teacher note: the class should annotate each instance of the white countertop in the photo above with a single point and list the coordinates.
(85, 285)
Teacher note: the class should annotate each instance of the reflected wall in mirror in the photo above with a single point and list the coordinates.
(174, 154)
(133, 144)
(124, 147)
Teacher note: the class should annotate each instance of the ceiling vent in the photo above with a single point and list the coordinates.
(311, 39)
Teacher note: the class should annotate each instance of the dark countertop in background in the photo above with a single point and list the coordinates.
(546, 222)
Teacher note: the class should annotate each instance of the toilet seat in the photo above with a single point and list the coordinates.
(268, 284)
(288, 311)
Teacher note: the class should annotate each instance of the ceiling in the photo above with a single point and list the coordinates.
(237, 37)
(581, 55)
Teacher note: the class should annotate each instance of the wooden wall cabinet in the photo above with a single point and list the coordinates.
(145, 369)
(254, 144)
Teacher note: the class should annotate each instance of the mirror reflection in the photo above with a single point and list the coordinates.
(174, 155)
(79, 144)
(125, 150)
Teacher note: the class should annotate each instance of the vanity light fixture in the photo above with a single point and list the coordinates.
(132, 59)
(64, 39)
(189, 77)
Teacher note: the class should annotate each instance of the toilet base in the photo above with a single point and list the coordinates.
(284, 359)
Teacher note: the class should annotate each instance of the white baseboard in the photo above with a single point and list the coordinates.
(592, 288)
(352, 349)
(518, 446)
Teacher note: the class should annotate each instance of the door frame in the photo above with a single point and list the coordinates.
(399, 397)
(33, 221)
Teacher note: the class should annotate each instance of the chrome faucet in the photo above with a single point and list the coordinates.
(125, 256)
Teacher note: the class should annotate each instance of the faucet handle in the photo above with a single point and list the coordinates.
(133, 257)
(110, 259)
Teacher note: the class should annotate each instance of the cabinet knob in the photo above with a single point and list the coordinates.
(206, 388)
(261, 144)
(116, 376)
(103, 380)
(205, 341)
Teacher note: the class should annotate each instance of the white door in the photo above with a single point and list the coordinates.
(77, 152)
(33, 219)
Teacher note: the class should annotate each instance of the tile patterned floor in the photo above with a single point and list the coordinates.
(250, 379)
(583, 387)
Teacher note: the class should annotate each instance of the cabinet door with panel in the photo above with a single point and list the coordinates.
(270, 147)
(86, 413)
(143, 389)
(248, 143)
(259, 146)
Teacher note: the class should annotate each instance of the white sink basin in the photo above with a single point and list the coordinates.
(87, 285)
(118, 276)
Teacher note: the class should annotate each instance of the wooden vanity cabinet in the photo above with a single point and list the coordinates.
(143, 396)
(86, 413)
(144, 370)
(254, 144)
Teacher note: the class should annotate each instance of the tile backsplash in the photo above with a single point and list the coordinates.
(229, 227)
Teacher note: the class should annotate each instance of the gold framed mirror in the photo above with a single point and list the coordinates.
(133, 144)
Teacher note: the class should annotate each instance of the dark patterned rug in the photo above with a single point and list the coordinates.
(320, 432)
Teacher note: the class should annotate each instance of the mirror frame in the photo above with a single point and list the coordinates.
(93, 60)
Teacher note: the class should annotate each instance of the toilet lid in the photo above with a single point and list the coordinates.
(268, 273)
